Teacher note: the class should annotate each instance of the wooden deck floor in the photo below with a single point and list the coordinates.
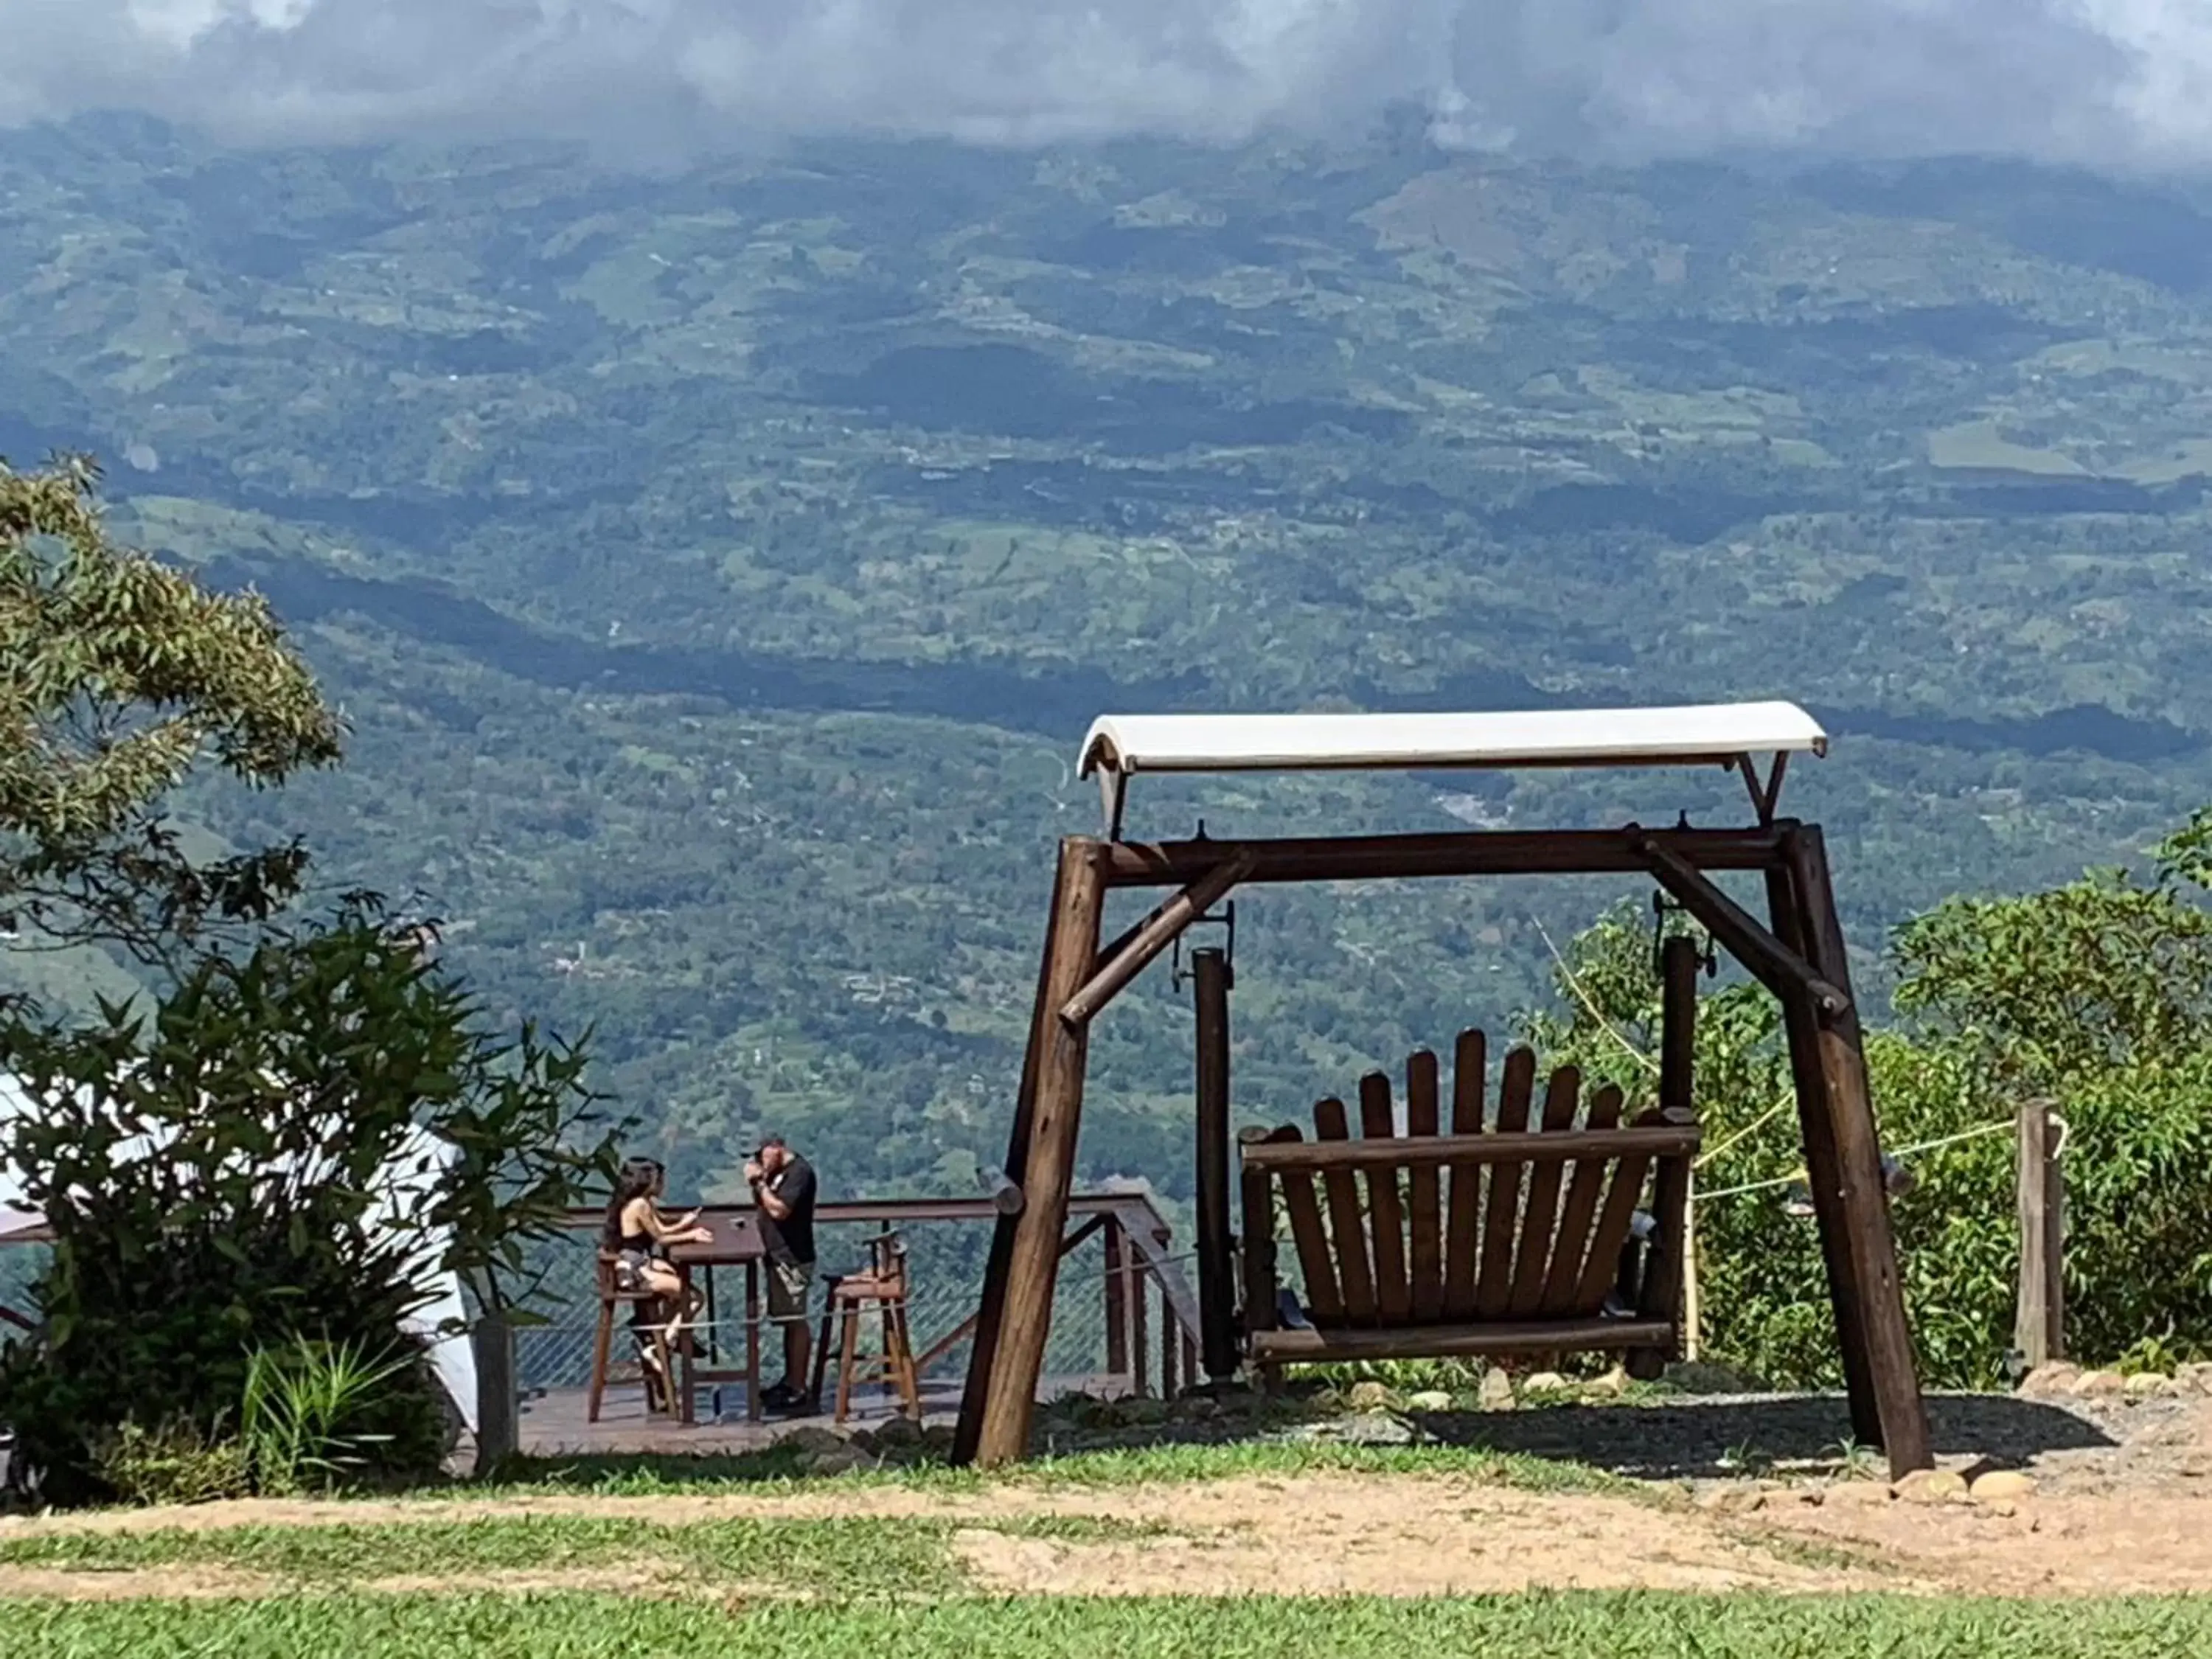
(554, 1423)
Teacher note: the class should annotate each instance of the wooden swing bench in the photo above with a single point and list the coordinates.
(1511, 1237)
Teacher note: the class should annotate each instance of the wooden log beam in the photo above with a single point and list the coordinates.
(1774, 964)
(1467, 853)
(1801, 1026)
(1150, 937)
(1504, 1147)
(1667, 1273)
(1892, 1370)
(1446, 1342)
(1046, 1167)
(1006, 1195)
(1217, 1268)
(989, 1306)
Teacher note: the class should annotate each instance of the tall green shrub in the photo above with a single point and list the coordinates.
(212, 1174)
(2096, 995)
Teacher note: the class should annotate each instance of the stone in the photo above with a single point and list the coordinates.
(2143, 1384)
(2050, 1381)
(1497, 1392)
(1374, 1429)
(1429, 1400)
(1196, 1408)
(1546, 1382)
(1367, 1397)
(1614, 1382)
(2195, 1376)
(2098, 1385)
(2002, 1486)
(1143, 1413)
(899, 1431)
(1931, 1486)
(1698, 1376)
(841, 1461)
(939, 1437)
(809, 1438)
(1870, 1494)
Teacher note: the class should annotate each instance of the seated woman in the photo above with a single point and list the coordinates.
(634, 1239)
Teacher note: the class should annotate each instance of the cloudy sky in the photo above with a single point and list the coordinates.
(2123, 82)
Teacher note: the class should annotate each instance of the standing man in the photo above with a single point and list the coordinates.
(783, 1188)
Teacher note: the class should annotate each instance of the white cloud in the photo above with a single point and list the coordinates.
(2115, 82)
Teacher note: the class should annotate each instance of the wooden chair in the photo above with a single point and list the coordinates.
(1506, 1237)
(611, 1295)
(882, 1288)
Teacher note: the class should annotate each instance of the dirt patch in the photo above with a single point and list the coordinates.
(201, 1583)
(138, 1585)
(796, 1504)
(1386, 1535)
(2063, 1545)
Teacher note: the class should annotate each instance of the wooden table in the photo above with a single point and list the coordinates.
(736, 1243)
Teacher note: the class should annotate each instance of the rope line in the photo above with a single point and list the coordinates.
(1583, 997)
(1757, 1123)
(2002, 1127)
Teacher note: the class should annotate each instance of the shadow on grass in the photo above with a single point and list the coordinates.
(1689, 1438)
(1671, 1438)
(617, 1472)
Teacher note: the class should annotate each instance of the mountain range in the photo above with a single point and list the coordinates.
(719, 566)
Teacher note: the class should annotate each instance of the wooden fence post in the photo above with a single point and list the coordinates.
(2040, 1325)
(498, 1409)
(1118, 1312)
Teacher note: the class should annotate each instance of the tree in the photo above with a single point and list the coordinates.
(119, 674)
(216, 1177)
(2098, 993)
(2109, 973)
(2098, 996)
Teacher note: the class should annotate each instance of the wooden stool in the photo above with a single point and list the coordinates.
(610, 1294)
(882, 1288)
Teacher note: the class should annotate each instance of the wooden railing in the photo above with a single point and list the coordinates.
(1141, 1268)
(1142, 1272)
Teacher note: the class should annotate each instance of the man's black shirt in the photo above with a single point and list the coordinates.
(791, 1241)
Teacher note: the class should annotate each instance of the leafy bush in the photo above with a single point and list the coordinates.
(178, 1463)
(2097, 995)
(215, 1176)
(301, 1406)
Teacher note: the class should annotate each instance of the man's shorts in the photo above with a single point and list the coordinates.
(788, 1284)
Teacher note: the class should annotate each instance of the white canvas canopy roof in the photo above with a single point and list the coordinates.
(1118, 746)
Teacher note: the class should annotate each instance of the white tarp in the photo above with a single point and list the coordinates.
(409, 1179)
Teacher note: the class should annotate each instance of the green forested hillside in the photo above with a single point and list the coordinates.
(720, 567)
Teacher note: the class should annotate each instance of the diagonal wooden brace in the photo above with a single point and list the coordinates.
(1136, 950)
(1772, 962)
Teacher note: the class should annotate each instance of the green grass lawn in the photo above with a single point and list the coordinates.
(856, 1556)
(644, 1476)
(1541, 1626)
